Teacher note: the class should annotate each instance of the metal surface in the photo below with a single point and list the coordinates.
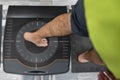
(0, 30)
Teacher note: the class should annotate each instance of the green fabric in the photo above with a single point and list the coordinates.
(103, 21)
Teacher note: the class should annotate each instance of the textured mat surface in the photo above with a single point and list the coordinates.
(79, 45)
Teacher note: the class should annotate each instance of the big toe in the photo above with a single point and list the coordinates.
(82, 58)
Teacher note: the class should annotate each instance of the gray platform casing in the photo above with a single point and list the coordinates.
(78, 45)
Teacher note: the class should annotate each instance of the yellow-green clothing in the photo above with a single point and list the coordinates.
(103, 22)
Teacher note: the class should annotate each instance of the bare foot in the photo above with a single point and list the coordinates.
(90, 56)
(34, 38)
(82, 57)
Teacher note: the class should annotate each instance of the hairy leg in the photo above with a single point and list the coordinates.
(90, 56)
(60, 26)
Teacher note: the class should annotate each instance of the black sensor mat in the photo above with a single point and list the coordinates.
(78, 46)
(23, 57)
(0, 29)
